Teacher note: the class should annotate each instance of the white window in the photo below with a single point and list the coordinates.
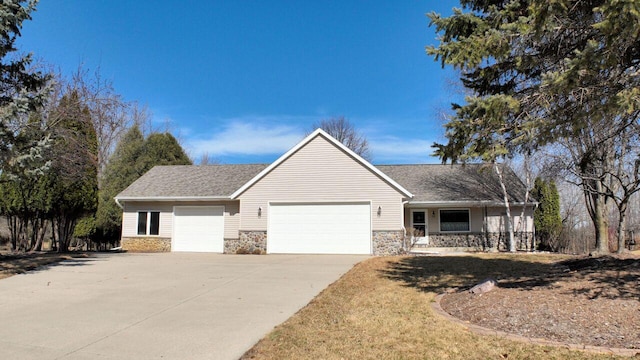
(454, 220)
(148, 223)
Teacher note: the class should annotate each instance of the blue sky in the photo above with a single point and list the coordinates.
(243, 80)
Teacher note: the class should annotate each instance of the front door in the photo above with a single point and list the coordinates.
(419, 225)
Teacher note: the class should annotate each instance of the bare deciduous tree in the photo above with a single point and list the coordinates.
(110, 113)
(207, 159)
(342, 130)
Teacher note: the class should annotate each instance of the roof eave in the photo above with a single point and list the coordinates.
(171, 198)
(413, 203)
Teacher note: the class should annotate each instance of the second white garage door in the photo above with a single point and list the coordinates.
(325, 228)
(198, 228)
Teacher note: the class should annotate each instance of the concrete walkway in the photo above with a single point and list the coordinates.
(152, 306)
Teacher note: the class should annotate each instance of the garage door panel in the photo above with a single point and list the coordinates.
(320, 228)
(198, 228)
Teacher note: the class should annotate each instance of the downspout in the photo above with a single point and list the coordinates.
(404, 230)
(118, 248)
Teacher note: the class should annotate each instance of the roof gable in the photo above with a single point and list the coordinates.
(320, 133)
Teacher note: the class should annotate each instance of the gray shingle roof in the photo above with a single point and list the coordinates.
(191, 181)
(426, 182)
(471, 182)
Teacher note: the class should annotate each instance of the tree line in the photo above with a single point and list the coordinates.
(67, 147)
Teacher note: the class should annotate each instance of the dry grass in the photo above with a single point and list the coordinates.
(20, 263)
(381, 310)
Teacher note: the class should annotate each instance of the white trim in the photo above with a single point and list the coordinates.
(323, 202)
(305, 141)
(404, 229)
(421, 204)
(455, 231)
(173, 198)
(148, 225)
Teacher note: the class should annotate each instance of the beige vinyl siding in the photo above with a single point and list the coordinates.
(496, 217)
(131, 208)
(130, 217)
(476, 217)
(321, 172)
(407, 218)
(527, 221)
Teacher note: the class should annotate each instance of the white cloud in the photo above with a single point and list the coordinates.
(271, 136)
(247, 136)
(395, 150)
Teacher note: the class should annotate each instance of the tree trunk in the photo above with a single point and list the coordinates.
(11, 222)
(601, 225)
(42, 230)
(522, 225)
(65, 228)
(622, 227)
(54, 240)
(509, 221)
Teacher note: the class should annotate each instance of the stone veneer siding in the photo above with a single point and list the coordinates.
(388, 242)
(480, 241)
(249, 242)
(146, 244)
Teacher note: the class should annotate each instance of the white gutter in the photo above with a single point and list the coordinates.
(173, 198)
(118, 203)
(463, 203)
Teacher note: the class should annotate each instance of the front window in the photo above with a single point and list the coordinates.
(148, 223)
(454, 220)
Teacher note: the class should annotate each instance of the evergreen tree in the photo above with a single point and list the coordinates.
(547, 219)
(73, 176)
(23, 141)
(561, 72)
(24, 194)
(122, 169)
(22, 91)
(162, 149)
(133, 157)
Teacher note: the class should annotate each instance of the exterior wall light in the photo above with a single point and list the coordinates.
(379, 210)
(259, 211)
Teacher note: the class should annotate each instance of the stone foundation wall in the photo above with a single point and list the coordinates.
(146, 244)
(388, 242)
(471, 240)
(524, 241)
(480, 241)
(250, 242)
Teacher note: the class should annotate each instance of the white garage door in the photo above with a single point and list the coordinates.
(198, 228)
(343, 228)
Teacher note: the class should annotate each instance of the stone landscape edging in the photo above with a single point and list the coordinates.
(477, 329)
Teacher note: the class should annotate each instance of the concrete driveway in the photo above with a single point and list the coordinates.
(152, 306)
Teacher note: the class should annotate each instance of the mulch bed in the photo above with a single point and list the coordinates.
(590, 301)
